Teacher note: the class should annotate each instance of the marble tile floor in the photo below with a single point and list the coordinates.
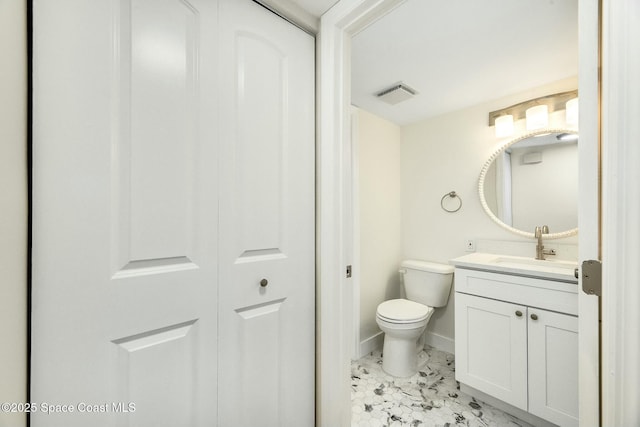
(430, 398)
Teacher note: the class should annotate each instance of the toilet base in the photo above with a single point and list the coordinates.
(399, 356)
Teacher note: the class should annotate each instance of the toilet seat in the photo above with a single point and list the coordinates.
(403, 311)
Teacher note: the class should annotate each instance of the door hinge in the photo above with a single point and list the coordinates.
(348, 271)
(592, 277)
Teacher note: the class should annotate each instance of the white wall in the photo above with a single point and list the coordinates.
(378, 148)
(13, 208)
(443, 154)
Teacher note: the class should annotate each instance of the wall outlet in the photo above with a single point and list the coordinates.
(470, 246)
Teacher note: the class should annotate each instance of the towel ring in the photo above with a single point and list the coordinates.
(452, 195)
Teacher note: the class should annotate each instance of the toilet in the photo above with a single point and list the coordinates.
(403, 321)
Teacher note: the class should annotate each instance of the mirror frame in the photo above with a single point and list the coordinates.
(488, 164)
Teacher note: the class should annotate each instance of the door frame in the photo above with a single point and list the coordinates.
(334, 298)
(620, 211)
(334, 295)
(14, 205)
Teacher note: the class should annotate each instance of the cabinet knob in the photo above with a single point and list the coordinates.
(264, 282)
(519, 313)
(534, 316)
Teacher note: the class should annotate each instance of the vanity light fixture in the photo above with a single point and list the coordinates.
(537, 117)
(572, 112)
(535, 111)
(504, 126)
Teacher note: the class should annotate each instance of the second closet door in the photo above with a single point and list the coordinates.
(266, 289)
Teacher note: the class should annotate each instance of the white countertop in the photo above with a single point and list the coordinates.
(545, 269)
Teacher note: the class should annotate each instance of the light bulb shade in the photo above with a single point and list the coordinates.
(572, 112)
(537, 117)
(504, 126)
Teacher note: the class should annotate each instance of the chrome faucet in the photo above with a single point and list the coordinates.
(540, 251)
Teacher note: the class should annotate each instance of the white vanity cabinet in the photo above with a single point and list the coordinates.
(517, 340)
(553, 366)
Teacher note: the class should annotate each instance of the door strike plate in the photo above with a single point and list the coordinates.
(348, 271)
(592, 277)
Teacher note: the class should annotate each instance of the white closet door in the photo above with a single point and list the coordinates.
(125, 213)
(266, 220)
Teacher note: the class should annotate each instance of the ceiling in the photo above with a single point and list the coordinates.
(315, 7)
(460, 53)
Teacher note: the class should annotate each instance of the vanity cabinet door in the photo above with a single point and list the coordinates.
(553, 366)
(491, 347)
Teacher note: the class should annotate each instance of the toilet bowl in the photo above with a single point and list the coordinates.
(402, 322)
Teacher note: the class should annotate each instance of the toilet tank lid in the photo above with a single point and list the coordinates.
(433, 267)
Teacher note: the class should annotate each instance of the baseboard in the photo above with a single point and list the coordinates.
(371, 344)
(440, 342)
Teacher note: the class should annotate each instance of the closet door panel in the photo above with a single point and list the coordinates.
(266, 220)
(124, 319)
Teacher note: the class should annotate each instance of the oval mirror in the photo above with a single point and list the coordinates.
(532, 181)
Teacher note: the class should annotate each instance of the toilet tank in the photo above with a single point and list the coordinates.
(426, 282)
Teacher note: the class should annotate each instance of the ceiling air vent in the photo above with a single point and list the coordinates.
(396, 94)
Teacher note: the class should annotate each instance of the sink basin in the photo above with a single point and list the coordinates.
(537, 263)
(547, 269)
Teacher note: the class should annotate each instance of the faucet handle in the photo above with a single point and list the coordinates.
(545, 229)
(537, 233)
